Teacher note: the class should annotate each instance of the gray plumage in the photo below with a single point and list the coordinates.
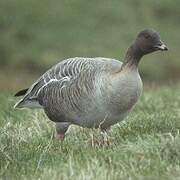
(75, 90)
(91, 92)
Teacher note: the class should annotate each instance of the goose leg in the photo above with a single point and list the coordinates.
(104, 139)
(105, 136)
(61, 128)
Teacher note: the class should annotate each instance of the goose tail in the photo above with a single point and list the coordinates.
(21, 92)
(31, 103)
(26, 102)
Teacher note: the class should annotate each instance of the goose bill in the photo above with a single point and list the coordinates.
(161, 47)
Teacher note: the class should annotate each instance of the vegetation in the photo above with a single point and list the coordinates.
(35, 35)
(145, 146)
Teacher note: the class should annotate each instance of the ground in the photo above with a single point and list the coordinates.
(144, 146)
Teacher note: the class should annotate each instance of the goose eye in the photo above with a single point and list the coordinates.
(147, 36)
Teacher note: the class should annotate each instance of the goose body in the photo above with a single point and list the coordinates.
(89, 92)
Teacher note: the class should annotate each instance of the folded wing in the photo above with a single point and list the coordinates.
(59, 76)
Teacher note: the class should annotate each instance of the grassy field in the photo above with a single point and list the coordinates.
(145, 146)
(36, 35)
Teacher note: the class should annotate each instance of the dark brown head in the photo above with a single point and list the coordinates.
(148, 41)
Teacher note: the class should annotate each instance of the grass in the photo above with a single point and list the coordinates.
(145, 146)
(36, 35)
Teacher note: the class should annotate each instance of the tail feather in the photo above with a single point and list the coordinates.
(19, 104)
(21, 92)
(26, 101)
(27, 104)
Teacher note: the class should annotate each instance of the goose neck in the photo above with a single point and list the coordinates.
(132, 57)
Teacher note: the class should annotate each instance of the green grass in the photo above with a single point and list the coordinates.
(145, 146)
(36, 35)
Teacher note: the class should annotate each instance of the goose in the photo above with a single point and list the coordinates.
(91, 92)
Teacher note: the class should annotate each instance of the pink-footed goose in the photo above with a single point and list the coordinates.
(91, 92)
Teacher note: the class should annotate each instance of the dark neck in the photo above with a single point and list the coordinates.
(132, 57)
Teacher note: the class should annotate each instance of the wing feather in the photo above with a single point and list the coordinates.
(67, 69)
(74, 72)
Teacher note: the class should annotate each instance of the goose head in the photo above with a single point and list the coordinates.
(148, 41)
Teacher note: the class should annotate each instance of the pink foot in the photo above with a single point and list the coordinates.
(61, 137)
